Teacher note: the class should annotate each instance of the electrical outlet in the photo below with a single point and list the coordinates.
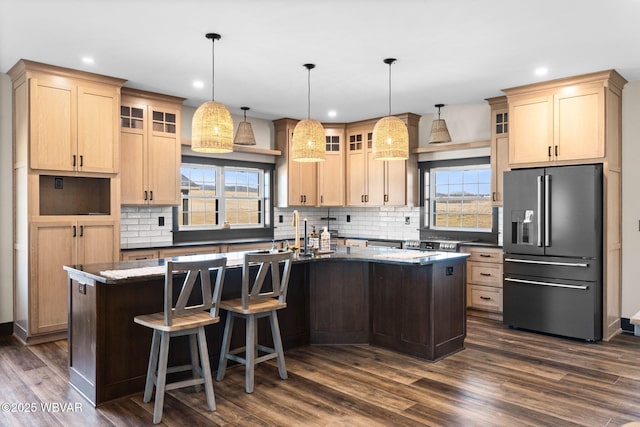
(160, 221)
(348, 218)
(280, 219)
(407, 220)
(58, 183)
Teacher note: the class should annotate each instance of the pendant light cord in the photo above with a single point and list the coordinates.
(308, 93)
(390, 87)
(213, 69)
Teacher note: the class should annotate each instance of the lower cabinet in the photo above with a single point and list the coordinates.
(340, 310)
(53, 245)
(484, 278)
(419, 310)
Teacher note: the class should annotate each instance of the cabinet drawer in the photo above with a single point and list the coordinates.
(485, 298)
(138, 255)
(481, 273)
(484, 254)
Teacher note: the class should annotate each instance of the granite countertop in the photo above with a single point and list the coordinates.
(130, 271)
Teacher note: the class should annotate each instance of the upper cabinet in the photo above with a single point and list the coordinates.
(562, 120)
(331, 172)
(150, 148)
(72, 120)
(499, 145)
(378, 183)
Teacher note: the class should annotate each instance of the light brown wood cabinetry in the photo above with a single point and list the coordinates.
(577, 120)
(331, 172)
(297, 182)
(66, 161)
(150, 148)
(377, 183)
(57, 243)
(139, 255)
(73, 120)
(192, 250)
(499, 145)
(484, 278)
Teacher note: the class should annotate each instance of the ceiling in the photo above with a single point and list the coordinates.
(451, 52)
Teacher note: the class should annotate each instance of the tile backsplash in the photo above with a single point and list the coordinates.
(387, 223)
(139, 226)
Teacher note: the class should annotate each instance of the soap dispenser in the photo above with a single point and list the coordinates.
(325, 240)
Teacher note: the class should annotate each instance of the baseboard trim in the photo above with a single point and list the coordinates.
(6, 329)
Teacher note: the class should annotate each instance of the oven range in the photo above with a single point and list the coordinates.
(433, 245)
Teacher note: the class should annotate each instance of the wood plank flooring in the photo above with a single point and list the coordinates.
(502, 378)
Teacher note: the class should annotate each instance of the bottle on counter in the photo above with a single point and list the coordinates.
(325, 240)
(314, 240)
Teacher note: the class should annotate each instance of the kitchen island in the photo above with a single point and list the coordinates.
(409, 301)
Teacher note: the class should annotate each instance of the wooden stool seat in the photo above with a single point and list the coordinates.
(180, 319)
(261, 299)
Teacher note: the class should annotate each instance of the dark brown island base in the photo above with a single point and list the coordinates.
(411, 302)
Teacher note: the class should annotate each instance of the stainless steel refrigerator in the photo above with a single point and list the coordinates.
(553, 250)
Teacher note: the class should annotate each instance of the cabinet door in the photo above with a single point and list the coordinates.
(395, 183)
(133, 153)
(302, 183)
(499, 152)
(356, 170)
(331, 172)
(375, 181)
(531, 129)
(579, 123)
(53, 123)
(96, 242)
(53, 245)
(98, 130)
(164, 157)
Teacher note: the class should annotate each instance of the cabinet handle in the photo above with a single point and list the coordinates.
(145, 194)
(321, 198)
(74, 227)
(485, 298)
(362, 198)
(549, 151)
(556, 150)
(74, 161)
(366, 198)
(81, 160)
(493, 196)
(485, 274)
(151, 193)
(81, 230)
(386, 198)
(485, 255)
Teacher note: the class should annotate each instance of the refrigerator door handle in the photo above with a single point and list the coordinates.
(564, 264)
(539, 219)
(547, 210)
(554, 285)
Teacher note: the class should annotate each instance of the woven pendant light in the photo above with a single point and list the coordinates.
(212, 126)
(244, 134)
(308, 143)
(390, 134)
(439, 131)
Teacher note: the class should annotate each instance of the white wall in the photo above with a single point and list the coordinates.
(630, 199)
(6, 198)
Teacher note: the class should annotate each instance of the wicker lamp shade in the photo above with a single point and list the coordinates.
(390, 139)
(212, 129)
(308, 143)
(439, 131)
(244, 133)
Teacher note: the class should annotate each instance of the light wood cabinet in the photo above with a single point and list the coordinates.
(139, 254)
(296, 182)
(191, 250)
(331, 172)
(557, 123)
(499, 145)
(73, 122)
(53, 245)
(150, 148)
(577, 120)
(484, 278)
(378, 183)
(66, 144)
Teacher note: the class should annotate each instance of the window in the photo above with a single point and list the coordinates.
(213, 195)
(458, 198)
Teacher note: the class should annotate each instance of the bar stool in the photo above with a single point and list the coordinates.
(178, 320)
(257, 301)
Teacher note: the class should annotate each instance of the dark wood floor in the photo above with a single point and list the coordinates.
(502, 378)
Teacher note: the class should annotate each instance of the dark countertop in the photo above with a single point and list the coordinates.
(481, 244)
(234, 259)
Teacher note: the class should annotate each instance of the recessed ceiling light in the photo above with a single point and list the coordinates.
(88, 60)
(198, 84)
(332, 113)
(541, 71)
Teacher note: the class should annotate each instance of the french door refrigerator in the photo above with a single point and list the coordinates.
(553, 250)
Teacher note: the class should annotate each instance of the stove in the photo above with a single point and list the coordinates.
(433, 245)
